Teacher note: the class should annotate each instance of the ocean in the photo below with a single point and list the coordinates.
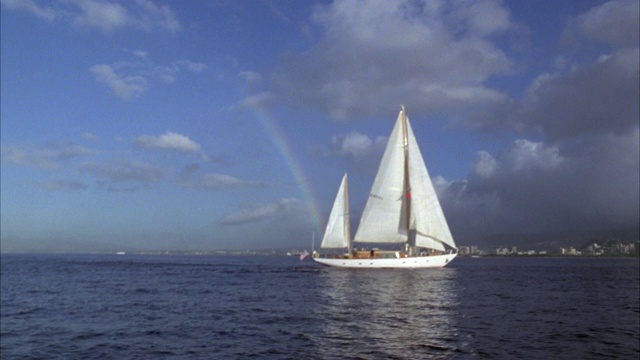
(56, 306)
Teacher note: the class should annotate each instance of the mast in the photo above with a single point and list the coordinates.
(347, 225)
(407, 184)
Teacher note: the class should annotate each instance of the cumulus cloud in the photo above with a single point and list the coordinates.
(130, 80)
(614, 23)
(171, 141)
(356, 145)
(106, 16)
(126, 87)
(597, 98)
(168, 140)
(359, 151)
(262, 212)
(534, 187)
(431, 56)
(584, 98)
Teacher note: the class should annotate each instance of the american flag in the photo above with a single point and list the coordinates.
(303, 255)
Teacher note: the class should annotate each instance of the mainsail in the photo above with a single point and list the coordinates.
(384, 216)
(384, 219)
(337, 234)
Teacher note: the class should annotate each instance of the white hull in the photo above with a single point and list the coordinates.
(434, 261)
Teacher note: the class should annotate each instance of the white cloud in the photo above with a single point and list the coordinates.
(106, 16)
(531, 154)
(49, 156)
(168, 140)
(101, 15)
(485, 164)
(191, 65)
(89, 136)
(431, 56)
(262, 212)
(359, 151)
(149, 16)
(356, 145)
(216, 182)
(252, 101)
(32, 6)
(251, 77)
(126, 87)
(130, 80)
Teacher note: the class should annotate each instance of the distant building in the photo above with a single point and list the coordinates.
(571, 251)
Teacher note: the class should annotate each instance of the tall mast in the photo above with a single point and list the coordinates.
(407, 184)
(347, 226)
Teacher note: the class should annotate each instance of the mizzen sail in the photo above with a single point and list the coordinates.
(337, 234)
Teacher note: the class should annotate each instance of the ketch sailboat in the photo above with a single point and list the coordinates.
(402, 211)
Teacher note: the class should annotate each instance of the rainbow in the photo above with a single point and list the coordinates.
(280, 141)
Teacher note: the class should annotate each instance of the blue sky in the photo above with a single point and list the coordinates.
(201, 125)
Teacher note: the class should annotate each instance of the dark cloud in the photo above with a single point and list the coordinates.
(614, 23)
(533, 187)
(595, 99)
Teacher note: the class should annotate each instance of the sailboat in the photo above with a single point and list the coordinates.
(402, 213)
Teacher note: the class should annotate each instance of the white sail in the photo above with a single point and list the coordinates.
(336, 234)
(427, 217)
(384, 216)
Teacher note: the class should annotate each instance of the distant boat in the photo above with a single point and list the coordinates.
(402, 213)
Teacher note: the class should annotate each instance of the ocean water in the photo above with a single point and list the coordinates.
(208, 307)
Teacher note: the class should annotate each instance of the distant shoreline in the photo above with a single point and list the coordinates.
(284, 254)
